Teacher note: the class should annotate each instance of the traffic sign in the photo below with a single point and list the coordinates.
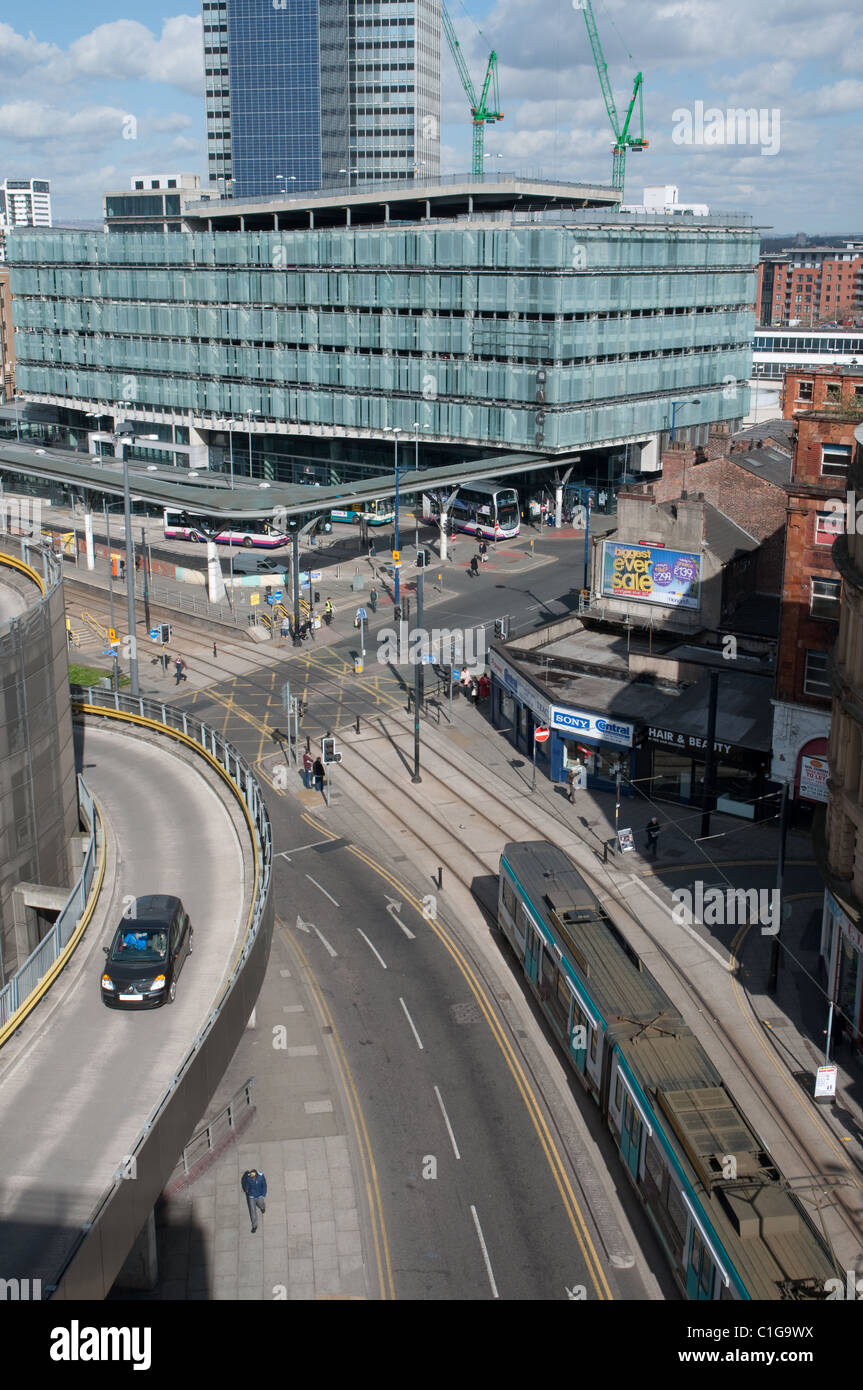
(112, 636)
(362, 614)
(278, 596)
(541, 734)
(154, 634)
(254, 599)
(397, 555)
(825, 1082)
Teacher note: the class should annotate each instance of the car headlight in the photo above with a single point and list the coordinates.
(158, 983)
(107, 982)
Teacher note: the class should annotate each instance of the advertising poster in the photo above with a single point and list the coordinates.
(651, 574)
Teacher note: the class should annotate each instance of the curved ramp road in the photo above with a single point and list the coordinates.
(73, 1100)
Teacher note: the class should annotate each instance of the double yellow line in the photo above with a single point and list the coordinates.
(534, 1110)
(370, 1175)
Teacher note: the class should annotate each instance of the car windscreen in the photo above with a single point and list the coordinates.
(135, 944)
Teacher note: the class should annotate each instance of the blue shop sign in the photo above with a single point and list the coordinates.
(592, 726)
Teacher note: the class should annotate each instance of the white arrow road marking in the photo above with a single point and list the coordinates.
(393, 909)
(310, 926)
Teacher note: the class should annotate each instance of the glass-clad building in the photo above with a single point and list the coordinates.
(302, 94)
(492, 333)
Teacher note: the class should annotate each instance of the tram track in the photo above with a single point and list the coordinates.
(479, 799)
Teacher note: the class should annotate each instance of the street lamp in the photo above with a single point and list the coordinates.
(396, 431)
(695, 400)
(249, 414)
(349, 173)
(124, 433)
(19, 396)
(230, 425)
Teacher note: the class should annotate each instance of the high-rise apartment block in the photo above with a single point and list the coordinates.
(23, 203)
(306, 94)
(811, 284)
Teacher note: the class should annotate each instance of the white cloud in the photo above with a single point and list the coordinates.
(124, 50)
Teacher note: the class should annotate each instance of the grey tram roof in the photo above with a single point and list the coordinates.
(699, 1115)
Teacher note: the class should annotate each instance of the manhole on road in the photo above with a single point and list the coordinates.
(468, 1012)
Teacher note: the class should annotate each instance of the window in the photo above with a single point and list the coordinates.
(508, 893)
(835, 459)
(828, 525)
(815, 678)
(824, 598)
(618, 1092)
(804, 390)
(593, 1045)
(833, 391)
(701, 1262)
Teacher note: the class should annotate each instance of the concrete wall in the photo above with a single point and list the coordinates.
(38, 794)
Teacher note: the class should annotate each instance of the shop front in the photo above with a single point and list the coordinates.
(596, 742)
(517, 708)
(578, 738)
(675, 763)
(842, 957)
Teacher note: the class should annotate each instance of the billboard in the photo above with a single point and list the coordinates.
(651, 574)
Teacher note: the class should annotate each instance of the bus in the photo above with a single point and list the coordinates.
(378, 513)
(488, 509)
(253, 534)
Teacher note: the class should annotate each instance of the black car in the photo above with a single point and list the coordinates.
(148, 952)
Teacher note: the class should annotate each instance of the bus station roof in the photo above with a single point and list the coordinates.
(212, 495)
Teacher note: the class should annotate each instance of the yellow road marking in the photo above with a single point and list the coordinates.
(373, 1195)
(555, 1163)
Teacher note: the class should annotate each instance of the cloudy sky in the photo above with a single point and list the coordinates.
(73, 75)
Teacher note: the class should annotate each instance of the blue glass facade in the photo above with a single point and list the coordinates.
(285, 66)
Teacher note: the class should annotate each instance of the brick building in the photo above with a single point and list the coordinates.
(809, 619)
(822, 388)
(811, 284)
(745, 482)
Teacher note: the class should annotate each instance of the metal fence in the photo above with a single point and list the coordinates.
(241, 776)
(223, 1124)
(28, 976)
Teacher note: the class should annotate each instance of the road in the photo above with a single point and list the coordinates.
(81, 1084)
(471, 1200)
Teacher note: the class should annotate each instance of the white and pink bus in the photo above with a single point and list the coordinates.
(487, 509)
(257, 534)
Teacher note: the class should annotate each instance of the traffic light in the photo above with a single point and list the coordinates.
(328, 751)
(501, 628)
(165, 633)
(422, 558)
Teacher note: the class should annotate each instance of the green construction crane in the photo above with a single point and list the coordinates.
(482, 112)
(622, 138)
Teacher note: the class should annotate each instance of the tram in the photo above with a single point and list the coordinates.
(727, 1221)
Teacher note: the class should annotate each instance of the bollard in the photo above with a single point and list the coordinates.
(358, 723)
(440, 877)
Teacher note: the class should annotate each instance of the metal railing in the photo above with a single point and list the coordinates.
(28, 976)
(207, 1139)
(249, 793)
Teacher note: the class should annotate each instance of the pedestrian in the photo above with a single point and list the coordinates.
(215, 650)
(474, 566)
(473, 692)
(372, 551)
(178, 668)
(285, 629)
(373, 600)
(328, 612)
(652, 835)
(308, 764)
(320, 773)
(254, 1184)
(484, 686)
(573, 780)
(483, 551)
(165, 661)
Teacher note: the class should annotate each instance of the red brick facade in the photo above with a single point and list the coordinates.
(812, 286)
(808, 553)
(822, 388)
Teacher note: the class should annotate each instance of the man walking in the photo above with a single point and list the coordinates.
(178, 668)
(215, 651)
(652, 828)
(573, 779)
(320, 773)
(254, 1184)
(308, 764)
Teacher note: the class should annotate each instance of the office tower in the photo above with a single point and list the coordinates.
(305, 94)
(23, 203)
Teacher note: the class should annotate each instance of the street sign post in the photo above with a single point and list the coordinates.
(540, 735)
(361, 619)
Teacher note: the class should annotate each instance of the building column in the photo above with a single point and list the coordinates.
(558, 505)
(88, 538)
(199, 451)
